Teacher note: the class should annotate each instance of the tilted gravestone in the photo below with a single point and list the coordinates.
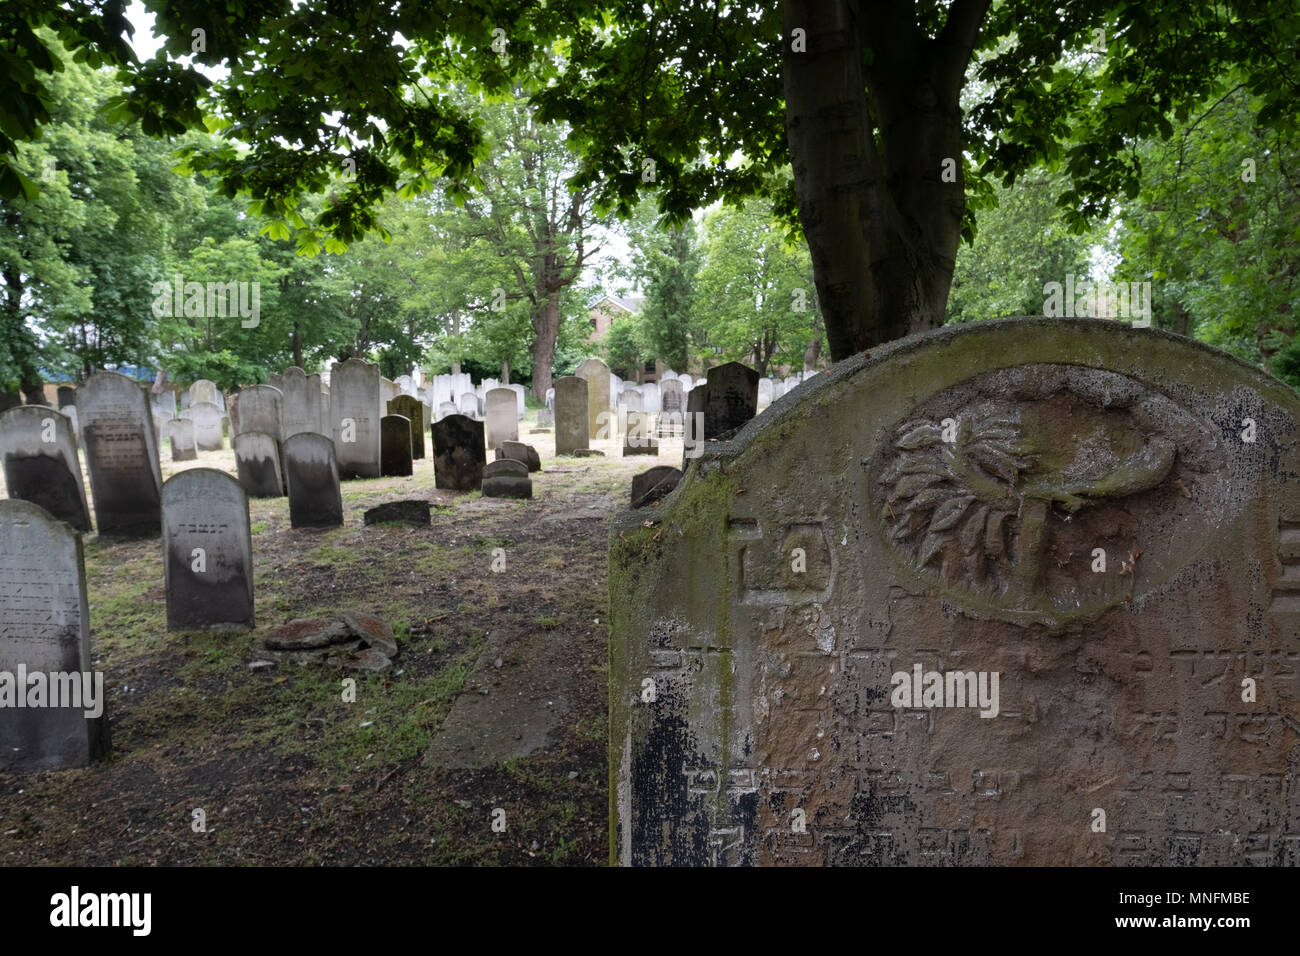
(413, 410)
(207, 551)
(39, 451)
(312, 477)
(261, 409)
(180, 432)
(596, 374)
(300, 411)
(257, 462)
(502, 425)
(730, 398)
(459, 455)
(354, 418)
(45, 630)
(654, 485)
(121, 455)
(207, 425)
(1015, 592)
(571, 420)
(395, 446)
(520, 452)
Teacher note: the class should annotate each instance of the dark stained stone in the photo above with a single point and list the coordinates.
(395, 447)
(208, 551)
(414, 512)
(505, 467)
(507, 486)
(654, 485)
(459, 454)
(41, 463)
(257, 460)
(520, 452)
(411, 408)
(313, 479)
(375, 631)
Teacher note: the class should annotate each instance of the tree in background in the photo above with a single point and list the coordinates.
(759, 289)
(665, 263)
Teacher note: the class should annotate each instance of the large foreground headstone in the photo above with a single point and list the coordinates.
(121, 455)
(599, 421)
(355, 410)
(257, 461)
(395, 446)
(312, 477)
(502, 423)
(412, 409)
(1019, 592)
(45, 629)
(571, 421)
(207, 551)
(39, 451)
(459, 455)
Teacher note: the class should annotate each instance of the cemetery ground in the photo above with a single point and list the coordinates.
(498, 698)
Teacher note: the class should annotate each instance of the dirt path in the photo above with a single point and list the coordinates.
(497, 701)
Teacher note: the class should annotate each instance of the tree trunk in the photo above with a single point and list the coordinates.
(505, 372)
(812, 353)
(868, 146)
(546, 329)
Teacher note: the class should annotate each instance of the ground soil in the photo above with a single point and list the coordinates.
(496, 702)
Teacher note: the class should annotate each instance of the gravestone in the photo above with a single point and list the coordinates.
(205, 391)
(181, 433)
(207, 550)
(629, 400)
(730, 398)
(650, 398)
(984, 585)
(395, 446)
(257, 461)
(413, 410)
(469, 404)
(41, 465)
(520, 452)
(261, 409)
(596, 374)
(121, 455)
(276, 380)
(207, 425)
(693, 425)
(502, 425)
(764, 392)
(301, 402)
(672, 407)
(230, 422)
(354, 418)
(67, 396)
(521, 402)
(545, 418)
(654, 485)
(571, 418)
(458, 453)
(506, 478)
(388, 390)
(550, 398)
(445, 409)
(45, 629)
(312, 476)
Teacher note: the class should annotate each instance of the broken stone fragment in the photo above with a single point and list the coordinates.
(374, 631)
(306, 633)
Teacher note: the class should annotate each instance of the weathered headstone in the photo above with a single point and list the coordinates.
(121, 455)
(261, 410)
(1017, 592)
(445, 409)
(502, 425)
(596, 374)
(545, 418)
(764, 392)
(571, 418)
(207, 425)
(257, 461)
(520, 452)
(413, 409)
(41, 465)
(45, 630)
(312, 476)
(207, 551)
(67, 395)
(180, 431)
(672, 407)
(506, 478)
(205, 391)
(300, 411)
(654, 485)
(731, 398)
(395, 446)
(469, 404)
(521, 402)
(354, 418)
(550, 398)
(650, 398)
(459, 455)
